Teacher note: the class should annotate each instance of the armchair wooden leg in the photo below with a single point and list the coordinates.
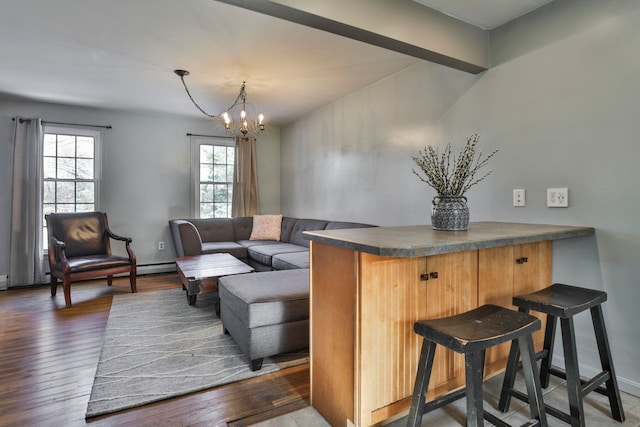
(109, 280)
(132, 280)
(66, 284)
(54, 285)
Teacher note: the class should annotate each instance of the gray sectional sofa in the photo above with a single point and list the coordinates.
(231, 235)
(267, 312)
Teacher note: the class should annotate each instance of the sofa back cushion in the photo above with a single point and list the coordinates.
(242, 227)
(303, 225)
(287, 226)
(215, 229)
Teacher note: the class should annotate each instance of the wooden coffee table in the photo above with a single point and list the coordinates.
(200, 273)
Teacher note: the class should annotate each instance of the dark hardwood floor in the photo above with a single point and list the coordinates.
(49, 354)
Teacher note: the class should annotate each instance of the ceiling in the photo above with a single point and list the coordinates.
(486, 14)
(121, 54)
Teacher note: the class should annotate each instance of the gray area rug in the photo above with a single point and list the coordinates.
(156, 346)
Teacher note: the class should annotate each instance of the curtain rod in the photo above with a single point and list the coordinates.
(208, 136)
(77, 124)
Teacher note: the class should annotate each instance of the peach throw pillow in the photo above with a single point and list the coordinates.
(266, 227)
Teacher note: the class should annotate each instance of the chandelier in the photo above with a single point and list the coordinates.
(239, 119)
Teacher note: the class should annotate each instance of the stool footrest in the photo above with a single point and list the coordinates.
(500, 423)
(444, 400)
(594, 384)
(549, 409)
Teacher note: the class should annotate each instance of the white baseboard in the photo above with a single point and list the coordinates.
(156, 268)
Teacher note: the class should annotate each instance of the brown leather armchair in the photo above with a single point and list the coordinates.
(80, 249)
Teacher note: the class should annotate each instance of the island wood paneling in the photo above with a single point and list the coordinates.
(501, 277)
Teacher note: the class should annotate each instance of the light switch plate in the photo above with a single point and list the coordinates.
(518, 197)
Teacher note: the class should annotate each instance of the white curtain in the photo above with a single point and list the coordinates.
(26, 260)
(245, 180)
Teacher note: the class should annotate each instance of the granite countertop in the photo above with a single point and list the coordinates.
(422, 240)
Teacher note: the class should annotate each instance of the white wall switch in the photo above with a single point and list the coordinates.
(518, 197)
(557, 197)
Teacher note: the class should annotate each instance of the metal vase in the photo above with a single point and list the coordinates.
(450, 213)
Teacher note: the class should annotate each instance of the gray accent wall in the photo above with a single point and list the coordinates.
(561, 105)
(145, 173)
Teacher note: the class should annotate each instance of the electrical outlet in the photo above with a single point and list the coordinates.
(518, 198)
(557, 197)
(161, 246)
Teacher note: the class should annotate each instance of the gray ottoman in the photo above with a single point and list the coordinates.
(266, 313)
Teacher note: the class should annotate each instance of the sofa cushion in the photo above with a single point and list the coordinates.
(290, 260)
(232, 248)
(266, 227)
(248, 243)
(267, 298)
(303, 225)
(264, 253)
(215, 229)
(242, 226)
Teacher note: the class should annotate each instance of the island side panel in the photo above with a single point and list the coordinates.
(332, 323)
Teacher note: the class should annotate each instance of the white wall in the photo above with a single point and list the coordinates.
(145, 176)
(561, 106)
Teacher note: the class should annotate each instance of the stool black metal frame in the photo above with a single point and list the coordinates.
(471, 333)
(563, 302)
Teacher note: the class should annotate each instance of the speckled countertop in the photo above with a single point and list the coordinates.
(422, 240)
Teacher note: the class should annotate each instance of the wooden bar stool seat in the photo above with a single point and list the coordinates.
(471, 333)
(562, 302)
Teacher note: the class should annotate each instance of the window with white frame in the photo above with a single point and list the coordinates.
(70, 171)
(213, 162)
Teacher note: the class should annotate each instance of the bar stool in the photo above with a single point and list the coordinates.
(471, 333)
(564, 302)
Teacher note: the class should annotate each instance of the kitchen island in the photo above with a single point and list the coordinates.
(369, 286)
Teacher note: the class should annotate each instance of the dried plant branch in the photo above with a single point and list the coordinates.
(437, 170)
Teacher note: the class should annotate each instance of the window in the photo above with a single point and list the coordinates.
(213, 176)
(70, 171)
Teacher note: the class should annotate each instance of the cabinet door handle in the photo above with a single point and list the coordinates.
(522, 260)
(433, 275)
(424, 277)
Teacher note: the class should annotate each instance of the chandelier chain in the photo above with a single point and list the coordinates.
(213, 116)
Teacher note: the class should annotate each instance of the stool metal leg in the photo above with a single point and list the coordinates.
(574, 386)
(532, 379)
(549, 339)
(473, 371)
(422, 383)
(607, 363)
